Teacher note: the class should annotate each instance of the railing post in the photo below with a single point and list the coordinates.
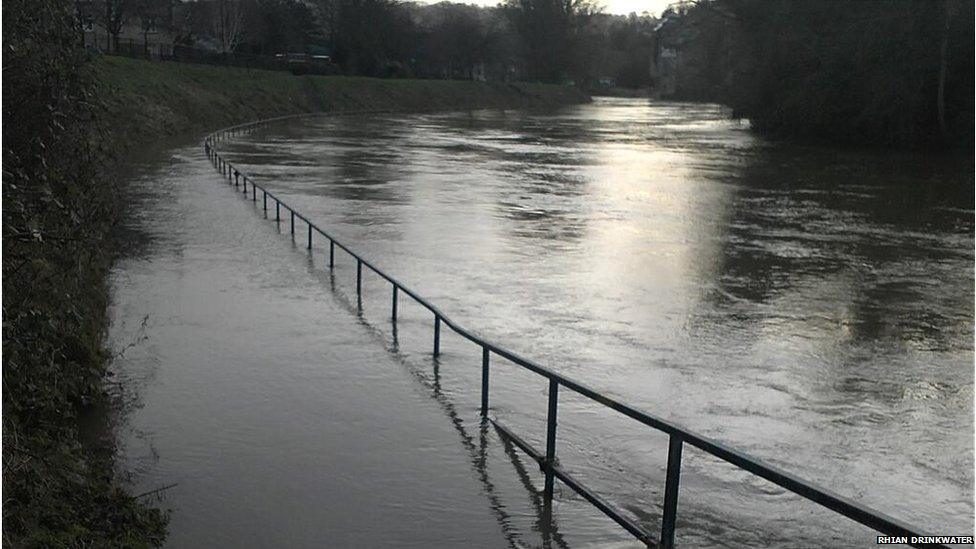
(277, 211)
(551, 438)
(393, 315)
(331, 253)
(254, 193)
(264, 199)
(437, 335)
(359, 278)
(671, 492)
(237, 178)
(484, 381)
(310, 235)
(293, 222)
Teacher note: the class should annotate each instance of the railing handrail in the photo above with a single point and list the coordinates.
(862, 514)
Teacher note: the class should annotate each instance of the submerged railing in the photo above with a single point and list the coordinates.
(548, 463)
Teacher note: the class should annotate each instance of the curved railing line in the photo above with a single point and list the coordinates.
(678, 435)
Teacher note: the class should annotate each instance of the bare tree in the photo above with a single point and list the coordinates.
(153, 16)
(327, 12)
(114, 18)
(228, 23)
(550, 31)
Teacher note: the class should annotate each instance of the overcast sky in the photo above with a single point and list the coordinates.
(623, 7)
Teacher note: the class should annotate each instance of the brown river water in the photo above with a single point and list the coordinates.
(810, 306)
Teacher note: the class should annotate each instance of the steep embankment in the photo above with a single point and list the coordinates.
(160, 98)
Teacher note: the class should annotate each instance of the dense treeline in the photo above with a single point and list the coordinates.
(552, 41)
(889, 73)
(57, 209)
(894, 73)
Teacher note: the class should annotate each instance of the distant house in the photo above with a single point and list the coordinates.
(664, 71)
(665, 62)
(691, 45)
(118, 26)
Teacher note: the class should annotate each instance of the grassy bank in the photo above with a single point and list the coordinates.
(58, 208)
(68, 118)
(162, 98)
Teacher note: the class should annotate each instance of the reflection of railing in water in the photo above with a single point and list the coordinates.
(678, 436)
(545, 524)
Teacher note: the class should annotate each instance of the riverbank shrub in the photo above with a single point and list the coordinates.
(893, 74)
(58, 208)
(896, 73)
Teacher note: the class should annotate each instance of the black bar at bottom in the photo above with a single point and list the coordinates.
(393, 315)
(598, 502)
(550, 461)
(359, 278)
(603, 506)
(671, 492)
(437, 335)
(484, 381)
(525, 446)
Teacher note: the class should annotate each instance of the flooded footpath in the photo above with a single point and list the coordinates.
(282, 417)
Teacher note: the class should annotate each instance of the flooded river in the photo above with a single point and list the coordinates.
(810, 306)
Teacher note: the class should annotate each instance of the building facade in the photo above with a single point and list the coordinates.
(117, 26)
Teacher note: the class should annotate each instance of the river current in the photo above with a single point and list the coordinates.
(810, 306)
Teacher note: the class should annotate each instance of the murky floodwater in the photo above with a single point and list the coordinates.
(812, 307)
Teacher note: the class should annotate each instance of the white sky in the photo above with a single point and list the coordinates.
(621, 7)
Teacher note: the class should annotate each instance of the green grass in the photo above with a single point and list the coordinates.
(163, 98)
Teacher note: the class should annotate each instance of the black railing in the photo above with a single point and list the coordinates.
(548, 463)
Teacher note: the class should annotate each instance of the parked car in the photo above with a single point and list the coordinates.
(303, 63)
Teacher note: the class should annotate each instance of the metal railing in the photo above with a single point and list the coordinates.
(548, 463)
